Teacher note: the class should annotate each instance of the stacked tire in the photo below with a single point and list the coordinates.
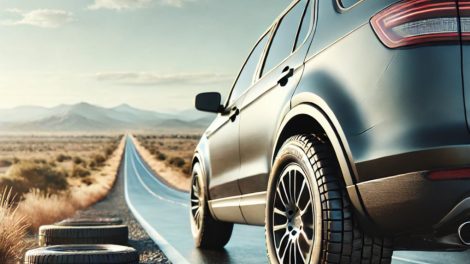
(85, 240)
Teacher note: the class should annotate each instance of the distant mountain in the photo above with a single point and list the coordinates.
(88, 117)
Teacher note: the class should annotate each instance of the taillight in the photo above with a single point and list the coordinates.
(457, 174)
(413, 22)
(464, 12)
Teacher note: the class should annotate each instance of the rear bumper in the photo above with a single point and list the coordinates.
(420, 213)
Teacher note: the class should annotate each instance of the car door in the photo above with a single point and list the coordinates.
(268, 101)
(223, 138)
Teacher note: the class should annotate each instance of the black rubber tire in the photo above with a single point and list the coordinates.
(65, 235)
(212, 234)
(340, 239)
(90, 221)
(82, 254)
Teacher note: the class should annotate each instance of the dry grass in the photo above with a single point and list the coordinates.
(12, 229)
(40, 206)
(169, 156)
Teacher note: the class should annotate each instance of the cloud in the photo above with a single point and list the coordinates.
(148, 78)
(45, 18)
(133, 4)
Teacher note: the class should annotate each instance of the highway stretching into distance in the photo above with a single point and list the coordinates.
(164, 214)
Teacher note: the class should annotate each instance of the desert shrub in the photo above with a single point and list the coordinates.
(80, 171)
(109, 150)
(77, 160)
(177, 161)
(173, 147)
(99, 159)
(5, 163)
(62, 157)
(187, 169)
(88, 181)
(18, 186)
(161, 156)
(153, 150)
(12, 230)
(26, 175)
(40, 161)
(92, 164)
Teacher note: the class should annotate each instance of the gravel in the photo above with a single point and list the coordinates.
(114, 205)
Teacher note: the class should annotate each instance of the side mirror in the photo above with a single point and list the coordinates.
(209, 102)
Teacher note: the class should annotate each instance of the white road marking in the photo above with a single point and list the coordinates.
(150, 190)
(147, 170)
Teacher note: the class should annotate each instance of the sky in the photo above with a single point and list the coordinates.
(152, 54)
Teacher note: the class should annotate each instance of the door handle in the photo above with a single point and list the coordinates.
(234, 113)
(286, 74)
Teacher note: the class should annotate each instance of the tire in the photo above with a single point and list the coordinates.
(306, 169)
(208, 233)
(65, 235)
(90, 221)
(82, 254)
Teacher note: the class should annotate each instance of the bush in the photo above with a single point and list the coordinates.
(5, 163)
(92, 164)
(26, 175)
(187, 169)
(99, 159)
(161, 156)
(80, 171)
(63, 157)
(78, 160)
(40, 161)
(87, 181)
(110, 150)
(177, 161)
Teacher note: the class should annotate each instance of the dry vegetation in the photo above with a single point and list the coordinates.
(169, 156)
(12, 229)
(46, 179)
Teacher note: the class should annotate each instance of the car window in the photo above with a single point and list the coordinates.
(245, 78)
(348, 3)
(282, 44)
(305, 26)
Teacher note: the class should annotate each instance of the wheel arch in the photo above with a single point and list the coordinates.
(201, 156)
(310, 118)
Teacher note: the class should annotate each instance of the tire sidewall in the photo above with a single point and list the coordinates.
(198, 233)
(293, 153)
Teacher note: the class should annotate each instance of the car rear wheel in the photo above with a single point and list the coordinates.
(309, 218)
(207, 232)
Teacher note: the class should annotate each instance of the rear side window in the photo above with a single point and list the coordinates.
(305, 26)
(347, 3)
(283, 41)
(245, 78)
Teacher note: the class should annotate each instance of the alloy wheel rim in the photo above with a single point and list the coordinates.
(196, 201)
(293, 228)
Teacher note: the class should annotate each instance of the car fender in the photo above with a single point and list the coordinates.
(319, 111)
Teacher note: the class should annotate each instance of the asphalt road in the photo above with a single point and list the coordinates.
(164, 214)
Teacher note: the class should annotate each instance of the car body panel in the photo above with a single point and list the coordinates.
(260, 119)
(391, 115)
(465, 58)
